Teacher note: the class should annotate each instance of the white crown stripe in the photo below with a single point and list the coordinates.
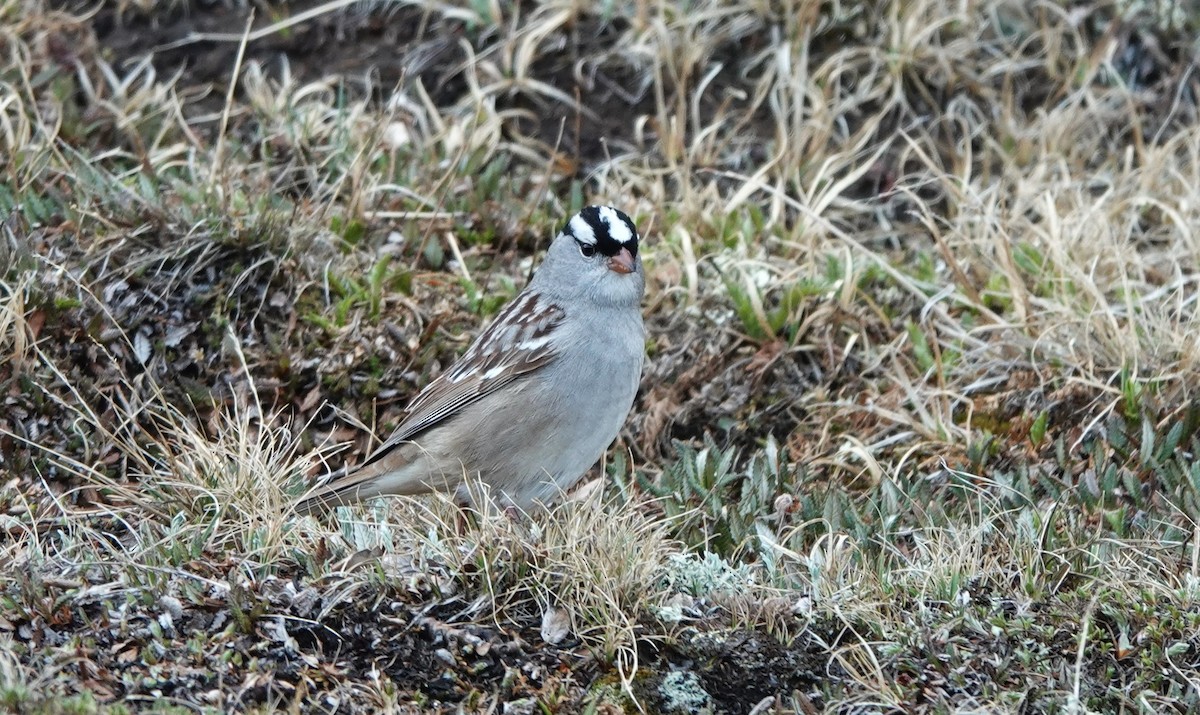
(618, 229)
(582, 230)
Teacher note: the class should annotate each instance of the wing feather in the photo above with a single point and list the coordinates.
(515, 344)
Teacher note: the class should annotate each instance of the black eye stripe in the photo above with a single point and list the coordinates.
(587, 249)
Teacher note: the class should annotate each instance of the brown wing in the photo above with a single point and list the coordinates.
(515, 344)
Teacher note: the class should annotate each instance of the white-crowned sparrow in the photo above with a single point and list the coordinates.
(539, 395)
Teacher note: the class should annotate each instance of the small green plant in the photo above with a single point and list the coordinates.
(713, 502)
(487, 303)
(352, 294)
(1037, 430)
(775, 314)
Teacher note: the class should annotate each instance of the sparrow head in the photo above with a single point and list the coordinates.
(596, 254)
(608, 232)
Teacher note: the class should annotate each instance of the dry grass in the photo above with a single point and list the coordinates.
(598, 568)
(15, 337)
(917, 431)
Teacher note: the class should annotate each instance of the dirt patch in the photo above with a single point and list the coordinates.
(736, 670)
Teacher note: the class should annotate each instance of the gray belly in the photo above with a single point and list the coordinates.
(530, 446)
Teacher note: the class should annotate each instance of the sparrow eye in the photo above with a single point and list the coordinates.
(587, 249)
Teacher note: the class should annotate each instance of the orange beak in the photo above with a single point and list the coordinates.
(622, 262)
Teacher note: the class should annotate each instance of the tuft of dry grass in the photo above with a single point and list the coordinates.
(598, 567)
(16, 336)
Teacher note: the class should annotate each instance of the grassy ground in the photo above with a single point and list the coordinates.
(917, 431)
